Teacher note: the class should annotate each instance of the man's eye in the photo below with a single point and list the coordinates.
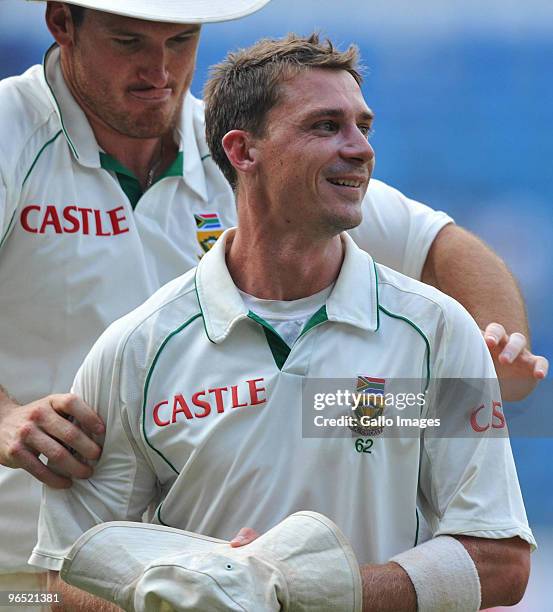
(126, 42)
(366, 130)
(327, 126)
(181, 39)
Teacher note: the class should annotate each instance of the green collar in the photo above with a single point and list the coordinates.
(278, 346)
(127, 179)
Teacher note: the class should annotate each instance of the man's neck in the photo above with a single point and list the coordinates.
(285, 268)
(146, 158)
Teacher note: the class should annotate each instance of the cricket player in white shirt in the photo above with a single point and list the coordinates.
(201, 386)
(108, 191)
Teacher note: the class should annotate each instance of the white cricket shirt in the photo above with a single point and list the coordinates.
(203, 406)
(75, 254)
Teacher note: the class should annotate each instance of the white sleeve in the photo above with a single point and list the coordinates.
(123, 482)
(9, 200)
(4, 210)
(396, 230)
(468, 482)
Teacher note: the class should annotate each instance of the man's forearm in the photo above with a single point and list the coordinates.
(73, 599)
(387, 588)
(462, 266)
(503, 568)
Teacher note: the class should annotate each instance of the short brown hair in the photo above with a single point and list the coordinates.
(77, 14)
(244, 87)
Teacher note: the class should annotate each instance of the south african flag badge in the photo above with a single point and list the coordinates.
(208, 229)
(369, 406)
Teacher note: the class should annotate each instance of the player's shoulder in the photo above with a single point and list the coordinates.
(24, 103)
(144, 329)
(430, 310)
(455, 345)
(27, 116)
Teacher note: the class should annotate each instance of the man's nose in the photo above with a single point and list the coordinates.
(153, 69)
(356, 146)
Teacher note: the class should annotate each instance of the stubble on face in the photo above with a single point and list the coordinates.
(99, 98)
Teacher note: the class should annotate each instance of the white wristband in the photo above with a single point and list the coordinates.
(443, 574)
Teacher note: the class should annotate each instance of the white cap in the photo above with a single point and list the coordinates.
(176, 11)
(303, 563)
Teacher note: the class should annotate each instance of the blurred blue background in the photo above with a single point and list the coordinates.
(463, 97)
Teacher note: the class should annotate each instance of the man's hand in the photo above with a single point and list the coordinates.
(517, 368)
(43, 427)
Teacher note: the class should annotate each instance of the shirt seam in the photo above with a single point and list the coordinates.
(119, 359)
(150, 371)
(11, 187)
(411, 292)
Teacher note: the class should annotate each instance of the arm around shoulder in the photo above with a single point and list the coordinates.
(461, 265)
(396, 230)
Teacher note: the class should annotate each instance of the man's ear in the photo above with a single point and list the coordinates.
(60, 23)
(240, 150)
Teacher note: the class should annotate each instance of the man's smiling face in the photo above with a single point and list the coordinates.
(314, 154)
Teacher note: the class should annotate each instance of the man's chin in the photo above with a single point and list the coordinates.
(148, 132)
(144, 128)
(345, 222)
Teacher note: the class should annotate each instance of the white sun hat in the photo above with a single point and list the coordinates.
(302, 564)
(176, 11)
